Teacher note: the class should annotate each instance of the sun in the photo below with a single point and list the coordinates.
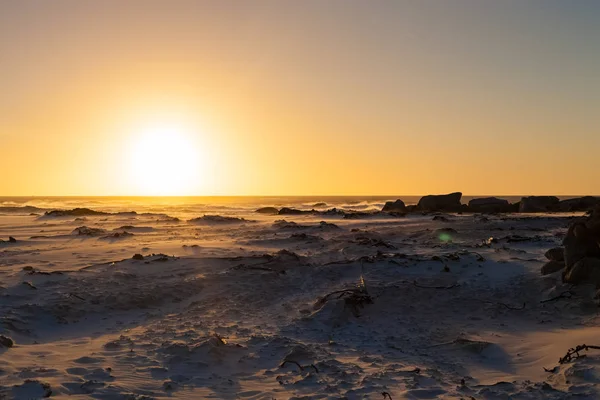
(164, 159)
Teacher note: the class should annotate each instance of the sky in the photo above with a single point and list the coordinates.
(306, 97)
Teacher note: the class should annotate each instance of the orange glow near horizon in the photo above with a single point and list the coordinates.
(297, 98)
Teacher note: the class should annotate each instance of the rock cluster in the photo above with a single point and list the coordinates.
(582, 249)
(441, 202)
(394, 206)
(530, 204)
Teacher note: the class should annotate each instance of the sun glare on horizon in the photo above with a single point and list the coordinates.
(165, 160)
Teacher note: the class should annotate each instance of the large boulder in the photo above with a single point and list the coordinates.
(556, 254)
(538, 204)
(551, 267)
(489, 204)
(586, 270)
(397, 206)
(582, 241)
(441, 202)
(579, 203)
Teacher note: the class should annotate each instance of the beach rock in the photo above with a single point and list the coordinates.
(137, 257)
(579, 203)
(440, 218)
(394, 206)
(585, 270)
(441, 202)
(12, 239)
(489, 204)
(551, 267)
(5, 341)
(580, 241)
(556, 254)
(538, 204)
(267, 210)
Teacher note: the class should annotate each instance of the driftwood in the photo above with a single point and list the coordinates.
(355, 298)
(564, 295)
(573, 353)
(386, 395)
(302, 368)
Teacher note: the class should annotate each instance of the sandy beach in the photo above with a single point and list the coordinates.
(219, 301)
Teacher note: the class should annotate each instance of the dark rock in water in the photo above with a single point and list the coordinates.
(441, 202)
(358, 215)
(394, 206)
(137, 257)
(292, 211)
(76, 212)
(267, 210)
(320, 205)
(538, 204)
(333, 212)
(217, 219)
(87, 231)
(556, 254)
(551, 267)
(5, 341)
(586, 269)
(489, 204)
(579, 204)
(12, 239)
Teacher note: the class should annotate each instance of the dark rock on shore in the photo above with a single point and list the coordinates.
(579, 204)
(267, 210)
(394, 206)
(582, 249)
(556, 254)
(489, 204)
(586, 269)
(551, 267)
(5, 341)
(538, 204)
(441, 202)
